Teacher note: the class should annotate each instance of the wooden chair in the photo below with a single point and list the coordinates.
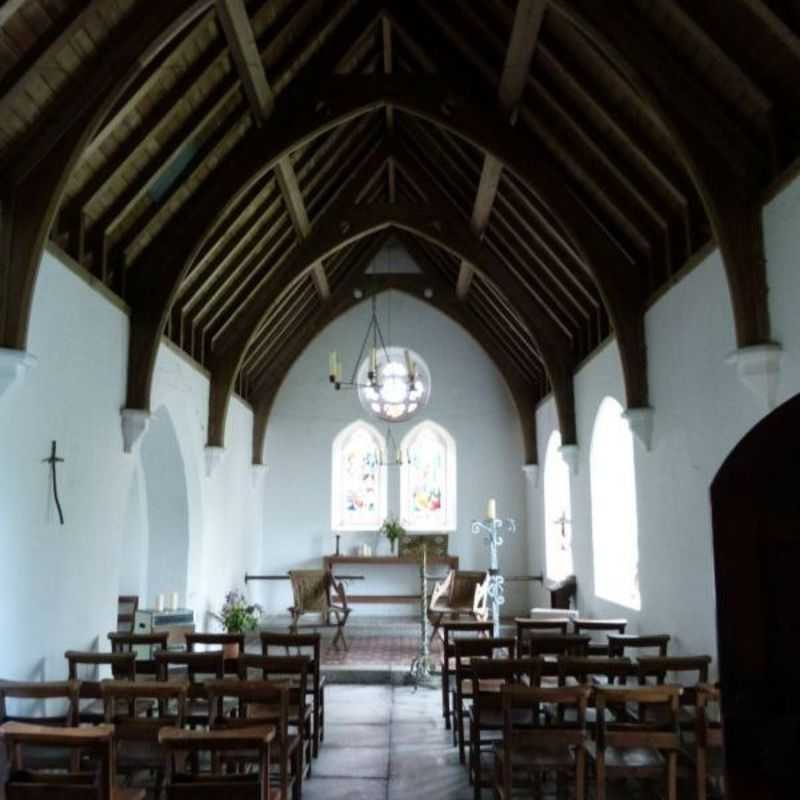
(686, 671)
(144, 645)
(460, 593)
(231, 644)
(595, 626)
(127, 606)
(489, 677)
(708, 739)
(645, 749)
(193, 670)
(65, 692)
(531, 626)
(619, 643)
(316, 591)
(292, 672)
(128, 706)
(532, 749)
(467, 653)
(176, 742)
(556, 644)
(449, 630)
(260, 702)
(310, 645)
(598, 672)
(122, 665)
(27, 783)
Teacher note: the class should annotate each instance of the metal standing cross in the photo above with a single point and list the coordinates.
(492, 527)
(52, 461)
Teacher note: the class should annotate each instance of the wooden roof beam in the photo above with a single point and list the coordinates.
(521, 47)
(242, 42)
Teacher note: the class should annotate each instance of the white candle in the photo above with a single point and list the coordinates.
(373, 361)
(160, 603)
(332, 364)
(399, 456)
(173, 601)
(338, 369)
(491, 509)
(409, 364)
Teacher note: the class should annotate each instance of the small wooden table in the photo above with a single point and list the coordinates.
(391, 561)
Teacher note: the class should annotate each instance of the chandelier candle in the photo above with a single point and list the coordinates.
(492, 528)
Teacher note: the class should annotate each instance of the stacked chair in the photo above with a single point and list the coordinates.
(579, 702)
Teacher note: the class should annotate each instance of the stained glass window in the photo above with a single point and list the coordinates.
(359, 482)
(428, 479)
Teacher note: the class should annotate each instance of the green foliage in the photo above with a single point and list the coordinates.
(237, 615)
(392, 529)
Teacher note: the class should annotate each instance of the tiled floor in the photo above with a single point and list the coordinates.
(385, 743)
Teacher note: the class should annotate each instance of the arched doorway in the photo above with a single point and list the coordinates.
(755, 501)
(167, 510)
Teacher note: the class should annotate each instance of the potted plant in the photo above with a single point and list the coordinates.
(237, 616)
(392, 530)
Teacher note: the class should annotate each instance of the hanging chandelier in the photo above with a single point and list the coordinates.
(393, 383)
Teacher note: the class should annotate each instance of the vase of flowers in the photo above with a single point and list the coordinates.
(237, 616)
(392, 530)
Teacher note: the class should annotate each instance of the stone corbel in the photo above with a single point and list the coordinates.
(758, 368)
(570, 453)
(531, 473)
(259, 471)
(640, 421)
(134, 423)
(214, 455)
(13, 366)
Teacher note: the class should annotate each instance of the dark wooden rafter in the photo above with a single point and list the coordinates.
(521, 47)
(345, 99)
(241, 40)
(34, 184)
(415, 285)
(727, 166)
(342, 226)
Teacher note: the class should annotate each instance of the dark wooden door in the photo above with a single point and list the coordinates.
(755, 500)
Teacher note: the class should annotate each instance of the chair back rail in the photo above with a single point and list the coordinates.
(66, 691)
(132, 642)
(291, 670)
(556, 644)
(618, 643)
(593, 671)
(22, 740)
(123, 699)
(217, 785)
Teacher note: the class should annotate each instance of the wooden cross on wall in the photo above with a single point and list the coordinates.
(52, 461)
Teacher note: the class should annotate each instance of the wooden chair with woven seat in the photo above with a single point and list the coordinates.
(39, 693)
(292, 672)
(708, 739)
(467, 653)
(490, 676)
(310, 645)
(686, 671)
(95, 783)
(598, 672)
(216, 785)
(144, 645)
(122, 667)
(646, 748)
(599, 626)
(531, 746)
(461, 593)
(129, 707)
(231, 644)
(449, 630)
(316, 591)
(619, 644)
(193, 669)
(259, 703)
